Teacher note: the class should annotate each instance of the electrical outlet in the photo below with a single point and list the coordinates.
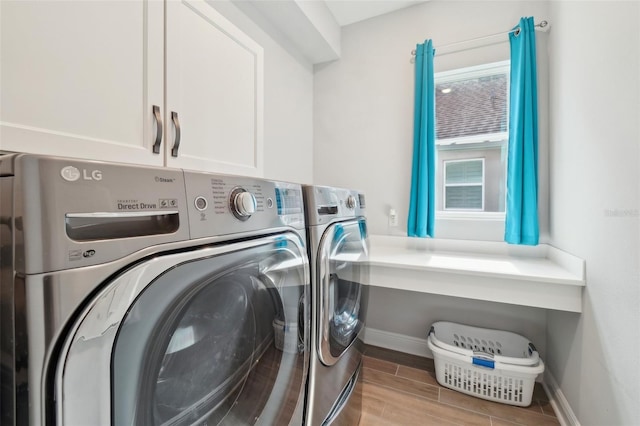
(393, 218)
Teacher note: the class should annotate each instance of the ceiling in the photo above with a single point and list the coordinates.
(347, 12)
(313, 27)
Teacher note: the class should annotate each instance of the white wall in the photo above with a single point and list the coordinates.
(595, 201)
(288, 102)
(363, 105)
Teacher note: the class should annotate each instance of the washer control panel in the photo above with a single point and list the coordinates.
(223, 204)
(85, 209)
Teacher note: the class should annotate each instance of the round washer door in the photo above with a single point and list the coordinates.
(212, 336)
(343, 295)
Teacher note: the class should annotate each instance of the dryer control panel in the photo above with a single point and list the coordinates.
(326, 204)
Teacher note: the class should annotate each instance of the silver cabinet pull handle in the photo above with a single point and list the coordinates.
(176, 143)
(158, 141)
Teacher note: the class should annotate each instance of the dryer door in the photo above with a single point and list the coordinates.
(343, 296)
(212, 336)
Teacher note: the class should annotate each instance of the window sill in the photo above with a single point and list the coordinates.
(540, 276)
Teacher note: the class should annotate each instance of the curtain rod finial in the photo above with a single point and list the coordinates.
(544, 26)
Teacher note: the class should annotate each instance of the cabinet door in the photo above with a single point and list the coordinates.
(80, 78)
(215, 85)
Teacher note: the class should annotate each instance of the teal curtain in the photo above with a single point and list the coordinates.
(422, 202)
(521, 221)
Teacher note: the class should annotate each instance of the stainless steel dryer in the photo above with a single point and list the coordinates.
(143, 296)
(338, 254)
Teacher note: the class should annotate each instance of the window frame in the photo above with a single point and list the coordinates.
(465, 73)
(446, 185)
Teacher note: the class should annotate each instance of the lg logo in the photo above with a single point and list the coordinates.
(72, 174)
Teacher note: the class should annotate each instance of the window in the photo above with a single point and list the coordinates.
(471, 139)
(464, 184)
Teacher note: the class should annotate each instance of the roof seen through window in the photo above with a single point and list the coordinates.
(471, 106)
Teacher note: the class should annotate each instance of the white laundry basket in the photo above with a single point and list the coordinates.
(491, 364)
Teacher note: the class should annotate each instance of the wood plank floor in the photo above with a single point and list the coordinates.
(401, 389)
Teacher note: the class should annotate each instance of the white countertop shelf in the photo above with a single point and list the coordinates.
(540, 276)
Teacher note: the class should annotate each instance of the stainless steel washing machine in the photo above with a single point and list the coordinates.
(133, 295)
(338, 255)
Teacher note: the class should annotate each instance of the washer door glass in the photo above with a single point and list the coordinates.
(343, 294)
(217, 338)
(221, 342)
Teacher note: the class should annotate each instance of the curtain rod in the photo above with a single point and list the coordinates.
(541, 25)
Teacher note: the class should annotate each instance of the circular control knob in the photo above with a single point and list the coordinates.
(351, 202)
(243, 203)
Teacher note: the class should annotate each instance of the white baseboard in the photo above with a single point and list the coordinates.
(416, 346)
(397, 342)
(561, 406)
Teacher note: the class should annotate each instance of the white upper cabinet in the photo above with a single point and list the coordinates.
(83, 79)
(215, 85)
(79, 78)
